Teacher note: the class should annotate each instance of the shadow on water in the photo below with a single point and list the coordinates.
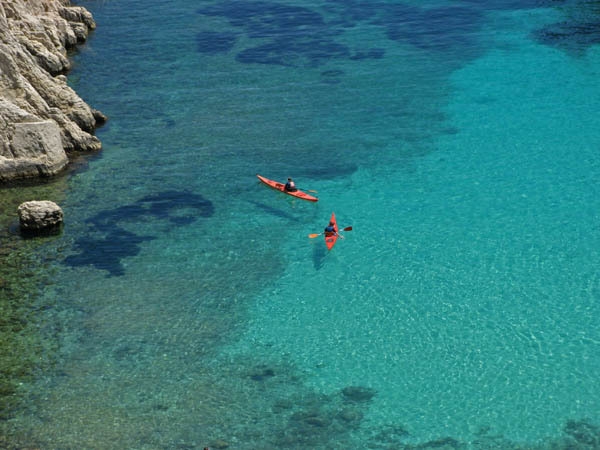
(109, 242)
(319, 254)
(274, 211)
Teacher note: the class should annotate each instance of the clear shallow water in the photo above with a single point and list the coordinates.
(190, 306)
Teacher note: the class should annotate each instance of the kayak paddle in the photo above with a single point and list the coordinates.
(314, 235)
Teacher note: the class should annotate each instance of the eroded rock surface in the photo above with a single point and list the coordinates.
(41, 118)
(40, 217)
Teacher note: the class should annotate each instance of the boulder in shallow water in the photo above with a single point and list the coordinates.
(40, 217)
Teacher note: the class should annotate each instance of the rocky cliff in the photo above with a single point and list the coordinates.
(41, 118)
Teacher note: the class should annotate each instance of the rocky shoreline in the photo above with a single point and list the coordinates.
(42, 119)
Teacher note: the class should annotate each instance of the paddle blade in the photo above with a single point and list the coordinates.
(314, 235)
(348, 229)
(313, 191)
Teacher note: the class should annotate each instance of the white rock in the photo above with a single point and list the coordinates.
(34, 36)
(40, 217)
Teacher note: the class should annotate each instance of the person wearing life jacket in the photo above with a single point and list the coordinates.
(290, 186)
(330, 230)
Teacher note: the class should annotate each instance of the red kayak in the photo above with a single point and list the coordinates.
(330, 240)
(281, 187)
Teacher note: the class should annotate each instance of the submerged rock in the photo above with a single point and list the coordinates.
(40, 217)
(358, 393)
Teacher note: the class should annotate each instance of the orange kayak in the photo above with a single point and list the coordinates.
(330, 240)
(281, 187)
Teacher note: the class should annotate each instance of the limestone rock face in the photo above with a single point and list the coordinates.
(36, 150)
(35, 100)
(40, 217)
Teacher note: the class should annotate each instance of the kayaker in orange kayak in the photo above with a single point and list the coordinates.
(281, 187)
(330, 229)
(290, 186)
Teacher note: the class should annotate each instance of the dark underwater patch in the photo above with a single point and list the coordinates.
(289, 35)
(106, 253)
(332, 76)
(262, 373)
(284, 20)
(373, 53)
(108, 242)
(358, 393)
(349, 13)
(332, 73)
(580, 31)
(570, 36)
(512, 4)
(298, 36)
(436, 29)
(268, 19)
(213, 43)
(583, 432)
(299, 52)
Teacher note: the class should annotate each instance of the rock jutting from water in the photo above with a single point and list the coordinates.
(41, 118)
(40, 217)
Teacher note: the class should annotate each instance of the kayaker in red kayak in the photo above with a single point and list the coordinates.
(290, 186)
(330, 229)
(281, 187)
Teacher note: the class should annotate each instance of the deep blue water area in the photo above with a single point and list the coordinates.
(189, 306)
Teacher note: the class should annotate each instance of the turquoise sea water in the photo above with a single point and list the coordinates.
(459, 140)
